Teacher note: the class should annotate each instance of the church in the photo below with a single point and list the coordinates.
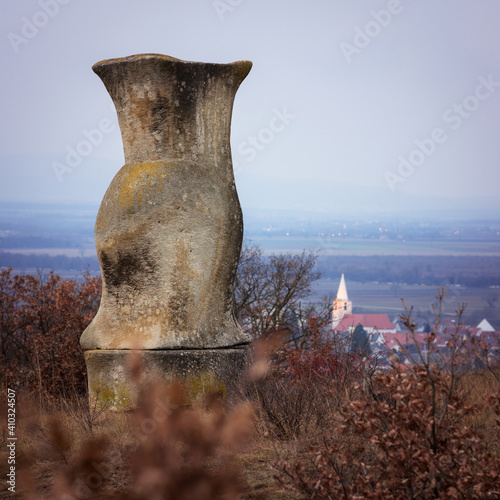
(343, 320)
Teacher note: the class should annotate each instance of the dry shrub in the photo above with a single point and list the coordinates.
(410, 441)
(175, 449)
(184, 452)
(307, 385)
(482, 390)
(168, 447)
(287, 410)
(49, 440)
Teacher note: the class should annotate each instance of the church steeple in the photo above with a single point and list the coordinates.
(341, 305)
(342, 291)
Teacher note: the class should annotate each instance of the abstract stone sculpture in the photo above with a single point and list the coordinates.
(169, 229)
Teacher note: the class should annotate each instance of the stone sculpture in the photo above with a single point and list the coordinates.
(169, 229)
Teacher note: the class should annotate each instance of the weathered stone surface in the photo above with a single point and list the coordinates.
(169, 229)
(201, 369)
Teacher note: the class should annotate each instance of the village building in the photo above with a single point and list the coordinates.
(343, 320)
(385, 336)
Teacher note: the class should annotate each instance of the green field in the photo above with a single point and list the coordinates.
(365, 247)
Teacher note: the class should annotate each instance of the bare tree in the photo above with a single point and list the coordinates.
(268, 289)
(310, 319)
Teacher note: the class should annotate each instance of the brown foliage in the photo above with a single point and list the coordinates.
(41, 320)
(408, 445)
(407, 433)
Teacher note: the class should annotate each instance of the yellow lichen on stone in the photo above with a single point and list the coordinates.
(202, 384)
(141, 181)
(115, 397)
(100, 222)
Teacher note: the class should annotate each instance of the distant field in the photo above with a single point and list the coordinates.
(327, 246)
(54, 252)
(366, 247)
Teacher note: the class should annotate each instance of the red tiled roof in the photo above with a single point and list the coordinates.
(394, 339)
(421, 337)
(377, 321)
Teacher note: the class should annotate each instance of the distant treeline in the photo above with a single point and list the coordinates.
(472, 271)
(19, 261)
(68, 240)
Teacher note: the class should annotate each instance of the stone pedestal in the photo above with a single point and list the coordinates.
(202, 370)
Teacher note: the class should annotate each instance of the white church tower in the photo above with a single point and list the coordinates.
(341, 305)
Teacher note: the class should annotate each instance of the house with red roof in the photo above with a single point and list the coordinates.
(372, 323)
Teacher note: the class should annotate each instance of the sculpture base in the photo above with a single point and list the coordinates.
(202, 370)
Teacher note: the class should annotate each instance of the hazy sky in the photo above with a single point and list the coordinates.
(395, 97)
